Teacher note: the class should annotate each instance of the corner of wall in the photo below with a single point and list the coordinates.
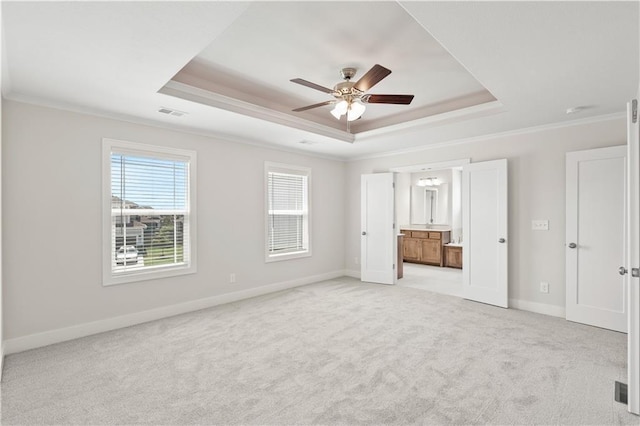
(538, 308)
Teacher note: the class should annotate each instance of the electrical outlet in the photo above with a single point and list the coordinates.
(544, 287)
(232, 277)
(540, 225)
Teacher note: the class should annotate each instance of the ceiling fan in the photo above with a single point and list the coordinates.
(350, 98)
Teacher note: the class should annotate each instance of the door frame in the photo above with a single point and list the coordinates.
(424, 167)
(633, 261)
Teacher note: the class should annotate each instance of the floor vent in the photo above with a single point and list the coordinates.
(621, 392)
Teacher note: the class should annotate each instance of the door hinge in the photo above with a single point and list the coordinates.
(634, 110)
(393, 226)
(394, 266)
(635, 272)
(393, 185)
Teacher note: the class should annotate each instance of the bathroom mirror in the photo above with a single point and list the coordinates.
(424, 205)
(430, 205)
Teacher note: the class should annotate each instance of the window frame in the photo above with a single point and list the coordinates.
(293, 170)
(145, 150)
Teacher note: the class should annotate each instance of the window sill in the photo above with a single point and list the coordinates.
(287, 256)
(109, 279)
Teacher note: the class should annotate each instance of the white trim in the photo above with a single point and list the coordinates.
(108, 146)
(1, 360)
(633, 261)
(481, 138)
(62, 106)
(538, 308)
(416, 168)
(50, 337)
(353, 273)
(438, 119)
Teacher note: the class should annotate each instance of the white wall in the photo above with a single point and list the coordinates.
(536, 191)
(52, 221)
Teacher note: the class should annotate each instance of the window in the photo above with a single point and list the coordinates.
(287, 211)
(149, 219)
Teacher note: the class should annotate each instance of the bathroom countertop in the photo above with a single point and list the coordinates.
(423, 228)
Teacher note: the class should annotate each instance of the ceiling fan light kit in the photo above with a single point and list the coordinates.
(351, 97)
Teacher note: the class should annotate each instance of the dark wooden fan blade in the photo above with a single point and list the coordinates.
(312, 85)
(313, 106)
(372, 77)
(388, 99)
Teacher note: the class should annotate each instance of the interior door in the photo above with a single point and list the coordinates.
(595, 237)
(378, 246)
(485, 241)
(633, 257)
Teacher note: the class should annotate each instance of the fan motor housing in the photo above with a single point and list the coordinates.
(348, 73)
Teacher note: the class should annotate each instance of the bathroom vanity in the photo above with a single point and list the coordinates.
(422, 245)
(453, 255)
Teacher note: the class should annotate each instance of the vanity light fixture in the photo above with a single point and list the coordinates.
(429, 181)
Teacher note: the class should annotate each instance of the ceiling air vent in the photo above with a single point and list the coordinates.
(170, 111)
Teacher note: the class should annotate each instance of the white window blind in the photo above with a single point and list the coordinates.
(287, 212)
(150, 214)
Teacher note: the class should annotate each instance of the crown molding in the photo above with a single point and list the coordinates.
(205, 97)
(481, 138)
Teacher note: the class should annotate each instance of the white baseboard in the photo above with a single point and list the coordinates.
(538, 308)
(50, 337)
(352, 273)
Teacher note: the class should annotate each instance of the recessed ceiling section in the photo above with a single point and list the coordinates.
(247, 68)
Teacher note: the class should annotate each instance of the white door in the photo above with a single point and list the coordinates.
(595, 237)
(485, 241)
(633, 258)
(378, 247)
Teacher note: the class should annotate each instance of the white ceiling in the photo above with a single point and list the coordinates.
(124, 59)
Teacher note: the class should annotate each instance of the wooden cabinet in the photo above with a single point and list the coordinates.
(411, 248)
(431, 251)
(453, 256)
(425, 246)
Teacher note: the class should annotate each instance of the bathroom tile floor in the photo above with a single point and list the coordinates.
(432, 278)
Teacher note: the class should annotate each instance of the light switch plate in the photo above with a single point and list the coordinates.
(540, 225)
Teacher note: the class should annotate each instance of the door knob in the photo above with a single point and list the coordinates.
(502, 240)
(364, 233)
(622, 270)
(573, 245)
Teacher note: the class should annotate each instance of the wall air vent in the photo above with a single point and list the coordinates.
(170, 111)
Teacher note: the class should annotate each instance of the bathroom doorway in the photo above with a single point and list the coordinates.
(429, 216)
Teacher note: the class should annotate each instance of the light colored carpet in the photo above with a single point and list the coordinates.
(336, 352)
